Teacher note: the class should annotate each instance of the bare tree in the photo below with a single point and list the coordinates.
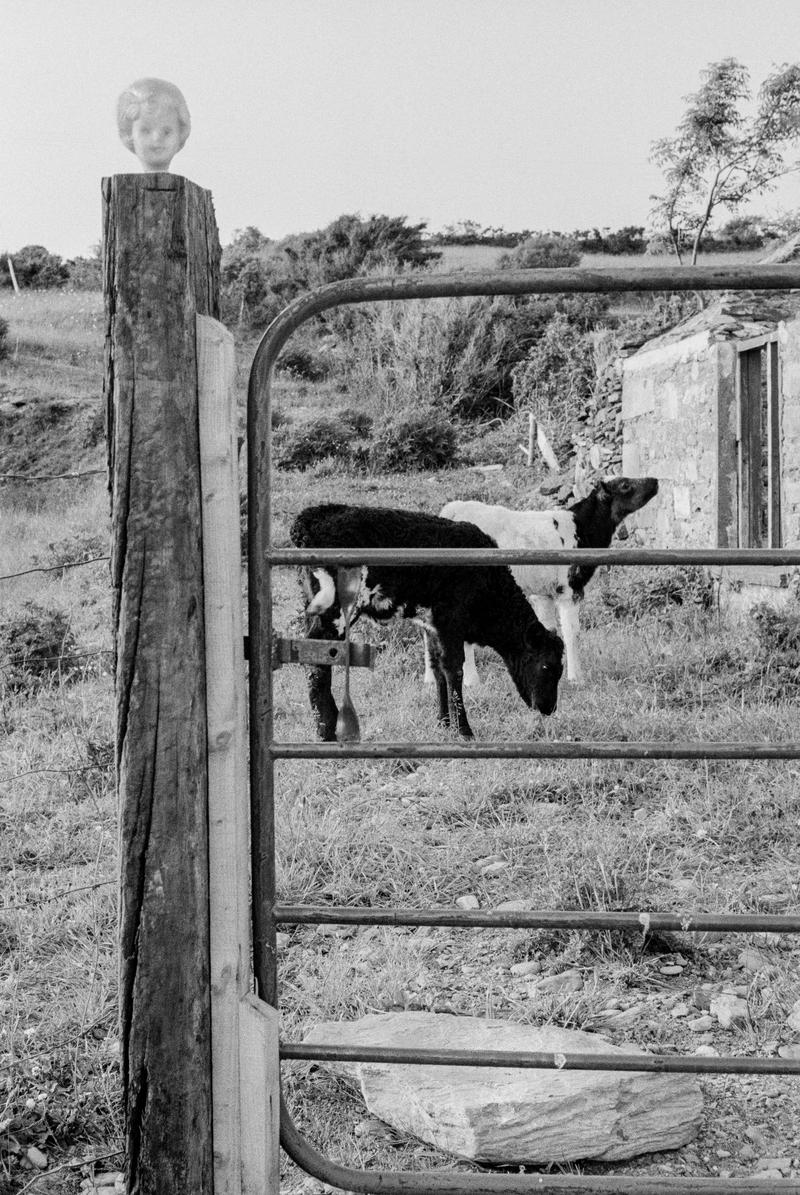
(720, 155)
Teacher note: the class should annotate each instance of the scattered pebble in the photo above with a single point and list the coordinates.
(707, 1051)
(671, 969)
(491, 869)
(530, 967)
(565, 981)
(679, 1010)
(781, 1165)
(468, 901)
(729, 1010)
(36, 1157)
(701, 1024)
(754, 960)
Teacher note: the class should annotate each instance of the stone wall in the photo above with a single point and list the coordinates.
(672, 397)
(789, 341)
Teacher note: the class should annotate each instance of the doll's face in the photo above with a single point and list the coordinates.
(156, 135)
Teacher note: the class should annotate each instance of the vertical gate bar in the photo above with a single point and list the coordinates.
(259, 601)
(774, 445)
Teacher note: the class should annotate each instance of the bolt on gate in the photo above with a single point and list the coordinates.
(265, 751)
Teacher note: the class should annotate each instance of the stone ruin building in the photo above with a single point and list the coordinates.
(712, 409)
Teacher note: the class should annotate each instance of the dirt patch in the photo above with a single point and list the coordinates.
(50, 436)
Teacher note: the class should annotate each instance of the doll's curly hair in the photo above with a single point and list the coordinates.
(145, 92)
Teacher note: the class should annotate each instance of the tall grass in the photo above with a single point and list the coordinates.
(55, 324)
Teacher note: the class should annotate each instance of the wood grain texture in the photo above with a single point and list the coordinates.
(161, 267)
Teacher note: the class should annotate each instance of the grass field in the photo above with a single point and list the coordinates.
(485, 257)
(650, 835)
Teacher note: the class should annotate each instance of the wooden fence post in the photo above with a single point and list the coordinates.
(161, 268)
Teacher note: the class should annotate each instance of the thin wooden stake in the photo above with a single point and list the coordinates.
(527, 452)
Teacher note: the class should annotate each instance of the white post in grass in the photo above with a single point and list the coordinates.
(243, 1031)
(528, 451)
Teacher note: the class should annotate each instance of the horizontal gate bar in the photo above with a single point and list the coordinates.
(643, 921)
(694, 1064)
(534, 750)
(506, 282)
(450, 1182)
(779, 557)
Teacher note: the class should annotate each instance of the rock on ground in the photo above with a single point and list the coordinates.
(505, 1116)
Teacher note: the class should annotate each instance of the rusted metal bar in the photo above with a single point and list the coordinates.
(535, 750)
(450, 1182)
(690, 1064)
(495, 557)
(643, 921)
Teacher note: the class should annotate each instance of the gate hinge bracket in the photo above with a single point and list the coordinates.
(315, 652)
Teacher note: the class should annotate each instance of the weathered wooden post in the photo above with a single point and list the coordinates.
(199, 1051)
(161, 267)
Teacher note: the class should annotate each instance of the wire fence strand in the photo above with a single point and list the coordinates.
(39, 899)
(49, 476)
(54, 568)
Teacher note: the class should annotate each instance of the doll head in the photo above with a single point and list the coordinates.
(153, 122)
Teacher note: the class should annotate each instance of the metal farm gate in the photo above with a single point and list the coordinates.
(265, 751)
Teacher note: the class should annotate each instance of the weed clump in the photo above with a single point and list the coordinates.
(341, 436)
(685, 585)
(37, 646)
(78, 548)
(421, 440)
(776, 662)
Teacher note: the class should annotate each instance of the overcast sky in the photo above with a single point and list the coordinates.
(521, 113)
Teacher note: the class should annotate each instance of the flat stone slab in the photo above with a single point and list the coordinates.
(504, 1116)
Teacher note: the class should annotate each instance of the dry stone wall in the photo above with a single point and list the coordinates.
(671, 430)
(789, 341)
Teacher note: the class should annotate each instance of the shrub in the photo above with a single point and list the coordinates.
(549, 251)
(3, 338)
(777, 631)
(485, 339)
(35, 267)
(259, 277)
(37, 645)
(659, 590)
(454, 354)
(557, 376)
(420, 440)
(306, 360)
(85, 273)
(340, 436)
